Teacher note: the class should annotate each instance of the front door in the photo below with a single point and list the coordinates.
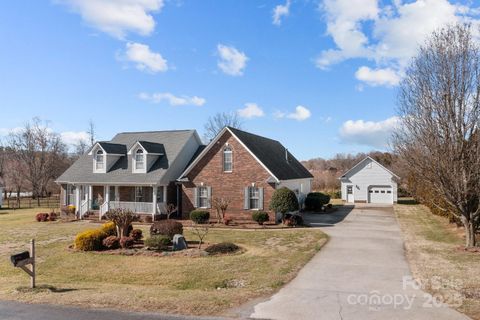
(350, 198)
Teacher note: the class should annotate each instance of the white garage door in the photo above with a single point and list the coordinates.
(383, 194)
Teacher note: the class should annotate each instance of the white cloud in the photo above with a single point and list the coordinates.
(395, 30)
(144, 58)
(4, 132)
(232, 61)
(378, 77)
(369, 133)
(251, 110)
(301, 113)
(280, 11)
(172, 99)
(74, 137)
(118, 17)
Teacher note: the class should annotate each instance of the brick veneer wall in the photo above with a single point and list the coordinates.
(209, 171)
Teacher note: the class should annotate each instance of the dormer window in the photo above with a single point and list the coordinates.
(227, 159)
(139, 160)
(99, 160)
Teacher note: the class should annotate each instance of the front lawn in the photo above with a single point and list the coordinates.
(434, 252)
(177, 284)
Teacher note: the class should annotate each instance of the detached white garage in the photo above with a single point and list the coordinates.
(369, 182)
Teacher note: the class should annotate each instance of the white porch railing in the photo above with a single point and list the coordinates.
(137, 207)
(83, 208)
(103, 209)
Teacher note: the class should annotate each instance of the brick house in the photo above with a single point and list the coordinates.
(244, 168)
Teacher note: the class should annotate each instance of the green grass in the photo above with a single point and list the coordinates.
(433, 250)
(178, 284)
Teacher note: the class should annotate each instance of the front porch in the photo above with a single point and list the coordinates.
(98, 199)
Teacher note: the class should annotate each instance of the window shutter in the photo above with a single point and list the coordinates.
(209, 197)
(195, 197)
(260, 198)
(246, 202)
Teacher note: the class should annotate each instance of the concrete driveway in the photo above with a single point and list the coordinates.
(361, 273)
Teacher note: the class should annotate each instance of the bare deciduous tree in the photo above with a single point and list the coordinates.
(221, 206)
(170, 209)
(38, 151)
(92, 132)
(220, 120)
(439, 106)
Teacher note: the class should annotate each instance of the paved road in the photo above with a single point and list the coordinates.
(363, 260)
(20, 311)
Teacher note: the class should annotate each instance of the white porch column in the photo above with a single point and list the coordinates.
(77, 199)
(154, 201)
(89, 197)
(117, 194)
(107, 196)
(165, 194)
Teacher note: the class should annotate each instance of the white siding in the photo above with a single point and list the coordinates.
(301, 186)
(367, 173)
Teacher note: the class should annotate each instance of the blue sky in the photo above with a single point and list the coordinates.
(320, 76)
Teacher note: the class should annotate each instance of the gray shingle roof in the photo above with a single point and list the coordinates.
(152, 147)
(272, 154)
(113, 148)
(121, 172)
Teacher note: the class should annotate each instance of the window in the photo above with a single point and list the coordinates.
(112, 193)
(389, 191)
(227, 159)
(370, 191)
(254, 197)
(99, 160)
(349, 189)
(160, 194)
(71, 195)
(139, 194)
(202, 197)
(139, 160)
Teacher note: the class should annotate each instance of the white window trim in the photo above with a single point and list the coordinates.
(96, 169)
(134, 161)
(257, 198)
(230, 150)
(205, 197)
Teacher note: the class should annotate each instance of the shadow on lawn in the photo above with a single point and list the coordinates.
(45, 288)
(407, 201)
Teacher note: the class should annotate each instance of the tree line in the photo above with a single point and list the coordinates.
(32, 157)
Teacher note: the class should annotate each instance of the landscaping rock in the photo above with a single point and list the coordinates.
(179, 242)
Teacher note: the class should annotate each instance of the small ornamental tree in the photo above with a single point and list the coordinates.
(123, 219)
(284, 200)
(221, 206)
(170, 209)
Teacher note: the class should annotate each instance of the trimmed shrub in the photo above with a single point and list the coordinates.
(111, 242)
(41, 217)
(157, 242)
(168, 228)
(90, 240)
(222, 248)
(126, 242)
(316, 200)
(53, 216)
(200, 216)
(136, 234)
(293, 220)
(109, 229)
(260, 217)
(284, 200)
